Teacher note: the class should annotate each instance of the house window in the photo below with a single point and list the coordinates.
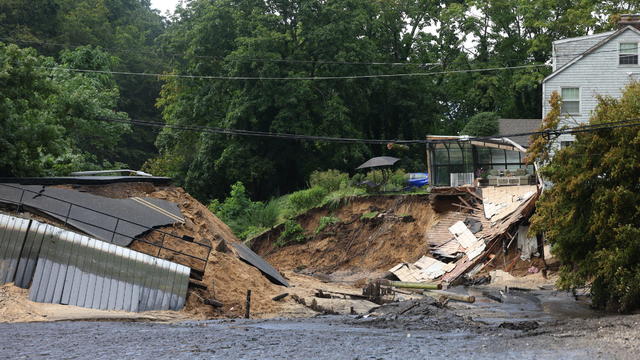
(628, 54)
(565, 144)
(570, 101)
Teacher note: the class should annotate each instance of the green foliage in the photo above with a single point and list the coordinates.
(343, 196)
(292, 233)
(331, 180)
(306, 199)
(369, 215)
(48, 117)
(482, 124)
(127, 28)
(326, 221)
(245, 217)
(590, 214)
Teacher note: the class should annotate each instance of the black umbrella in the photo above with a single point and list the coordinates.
(379, 161)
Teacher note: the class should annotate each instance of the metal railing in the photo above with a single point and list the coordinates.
(20, 205)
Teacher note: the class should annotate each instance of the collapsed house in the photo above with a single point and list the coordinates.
(122, 243)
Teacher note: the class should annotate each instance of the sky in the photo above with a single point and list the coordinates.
(164, 5)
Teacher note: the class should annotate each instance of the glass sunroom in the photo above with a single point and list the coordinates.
(455, 161)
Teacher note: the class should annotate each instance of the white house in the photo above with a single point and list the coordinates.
(587, 66)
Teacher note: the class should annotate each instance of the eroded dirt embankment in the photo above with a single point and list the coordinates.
(374, 233)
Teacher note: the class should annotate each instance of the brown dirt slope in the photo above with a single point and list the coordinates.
(356, 247)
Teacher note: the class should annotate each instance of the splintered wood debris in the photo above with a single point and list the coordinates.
(472, 246)
(424, 269)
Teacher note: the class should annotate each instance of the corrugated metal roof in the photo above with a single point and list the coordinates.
(112, 220)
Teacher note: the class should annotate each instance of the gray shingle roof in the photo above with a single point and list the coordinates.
(517, 126)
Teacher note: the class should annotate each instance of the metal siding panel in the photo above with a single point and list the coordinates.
(156, 276)
(101, 297)
(49, 267)
(81, 259)
(54, 259)
(105, 266)
(136, 288)
(115, 278)
(123, 279)
(183, 288)
(38, 275)
(65, 244)
(173, 269)
(147, 280)
(4, 248)
(72, 268)
(83, 288)
(91, 275)
(15, 248)
(29, 255)
(173, 303)
(165, 286)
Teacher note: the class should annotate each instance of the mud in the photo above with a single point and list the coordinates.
(356, 247)
(421, 332)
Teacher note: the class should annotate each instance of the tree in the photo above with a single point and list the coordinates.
(48, 115)
(591, 214)
(482, 124)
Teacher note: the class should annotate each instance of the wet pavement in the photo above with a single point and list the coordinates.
(548, 325)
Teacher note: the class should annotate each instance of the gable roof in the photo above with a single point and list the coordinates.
(592, 49)
(508, 127)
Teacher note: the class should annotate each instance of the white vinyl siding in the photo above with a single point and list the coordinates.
(597, 73)
(570, 100)
(628, 53)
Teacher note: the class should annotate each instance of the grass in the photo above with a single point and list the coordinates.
(369, 215)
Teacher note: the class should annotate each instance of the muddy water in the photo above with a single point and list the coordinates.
(564, 330)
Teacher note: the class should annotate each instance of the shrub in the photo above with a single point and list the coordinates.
(306, 199)
(331, 180)
(482, 124)
(325, 221)
(292, 233)
(245, 217)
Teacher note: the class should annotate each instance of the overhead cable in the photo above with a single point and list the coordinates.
(346, 77)
(239, 132)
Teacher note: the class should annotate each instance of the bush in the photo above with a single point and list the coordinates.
(292, 233)
(482, 124)
(325, 221)
(245, 217)
(331, 180)
(306, 199)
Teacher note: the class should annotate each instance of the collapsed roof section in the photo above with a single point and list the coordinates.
(485, 222)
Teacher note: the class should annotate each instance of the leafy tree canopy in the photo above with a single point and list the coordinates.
(482, 124)
(590, 215)
(47, 115)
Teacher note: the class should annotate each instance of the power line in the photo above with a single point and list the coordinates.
(346, 77)
(238, 132)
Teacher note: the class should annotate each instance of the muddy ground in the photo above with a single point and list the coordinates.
(539, 324)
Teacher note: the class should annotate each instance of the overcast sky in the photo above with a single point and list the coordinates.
(164, 5)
